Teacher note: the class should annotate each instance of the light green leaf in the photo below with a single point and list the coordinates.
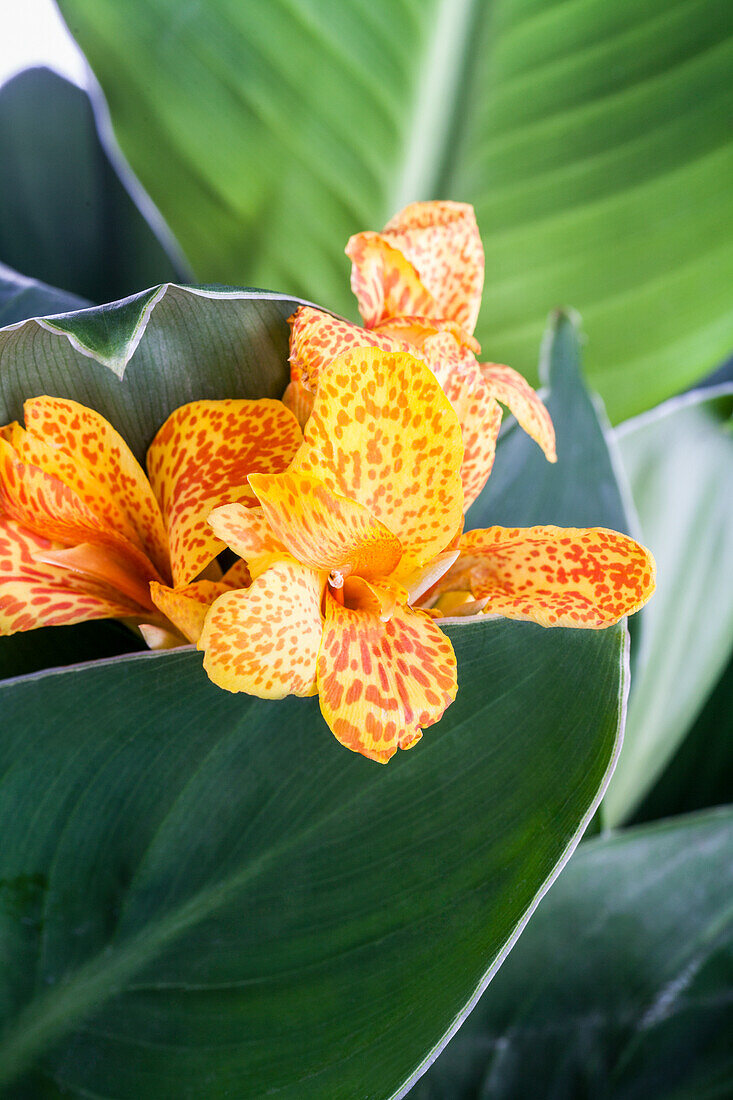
(207, 895)
(593, 139)
(679, 460)
(138, 359)
(620, 988)
(65, 216)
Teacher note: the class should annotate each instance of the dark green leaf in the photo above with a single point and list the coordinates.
(620, 988)
(581, 489)
(21, 297)
(65, 216)
(53, 646)
(593, 139)
(679, 460)
(207, 896)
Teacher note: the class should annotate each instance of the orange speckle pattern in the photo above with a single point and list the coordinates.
(554, 576)
(384, 434)
(265, 639)
(188, 607)
(248, 534)
(34, 593)
(428, 260)
(381, 683)
(317, 338)
(322, 529)
(299, 400)
(94, 460)
(201, 458)
(509, 387)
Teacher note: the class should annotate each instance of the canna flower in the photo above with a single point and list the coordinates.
(85, 534)
(340, 549)
(418, 284)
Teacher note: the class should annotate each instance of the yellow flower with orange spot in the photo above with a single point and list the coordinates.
(342, 546)
(418, 284)
(85, 534)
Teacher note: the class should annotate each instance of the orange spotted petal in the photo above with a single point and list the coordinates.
(201, 458)
(323, 529)
(95, 461)
(380, 683)
(509, 387)
(265, 639)
(248, 534)
(299, 399)
(439, 272)
(44, 505)
(378, 598)
(384, 434)
(188, 607)
(317, 338)
(34, 593)
(102, 565)
(554, 576)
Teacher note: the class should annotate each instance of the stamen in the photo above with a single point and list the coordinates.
(336, 579)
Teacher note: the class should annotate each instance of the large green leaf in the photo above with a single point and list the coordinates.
(65, 216)
(138, 359)
(593, 139)
(679, 459)
(620, 988)
(21, 297)
(205, 895)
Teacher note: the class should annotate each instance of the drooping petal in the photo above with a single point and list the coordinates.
(554, 576)
(427, 260)
(46, 506)
(265, 639)
(384, 434)
(324, 529)
(102, 565)
(201, 458)
(33, 593)
(317, 338)
(380, 683)
(103, 470)
(248, 534)
(480, 419)
(509, 387)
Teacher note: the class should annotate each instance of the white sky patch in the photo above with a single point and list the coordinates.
(33, 33)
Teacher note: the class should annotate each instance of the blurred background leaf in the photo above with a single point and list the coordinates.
(679, 460)
(620, 987)
(204, 894)
(65, 217)
(593, 139)
(21, 297)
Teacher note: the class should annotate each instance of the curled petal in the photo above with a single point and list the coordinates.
(299, 399)
(378, 598)
(384, 434)
(201, 458)
(323, 529)
(94, 460)
(248, 534)
(438, 270)
(317, 338)
(554, 576)
(34, 593)
(480, 420)
(188, 607)
(380, 683)
(509, 387)
(265, 639)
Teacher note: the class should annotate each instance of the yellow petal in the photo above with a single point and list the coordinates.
(427, 260)
(34, 593)
(317, 338)
(265, 639)
(188, 607)
(554, 576)
(248, 534)
(299, 400)
(380, 683)
(201, 458)
(322, 529)
(480, 420)
(97, 464)
(509, 387)
(384, 434)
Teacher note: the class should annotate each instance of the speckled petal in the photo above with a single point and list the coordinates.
(317, 338)
(554, 576)
(201, 458)
(380, 683)
(188, 607)
(94, 460)
(265, 639)
(248, 534)
(427, 260)
(299, 399)
(33, 593)
(384, 434)
(324, 529)
(509, 387)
